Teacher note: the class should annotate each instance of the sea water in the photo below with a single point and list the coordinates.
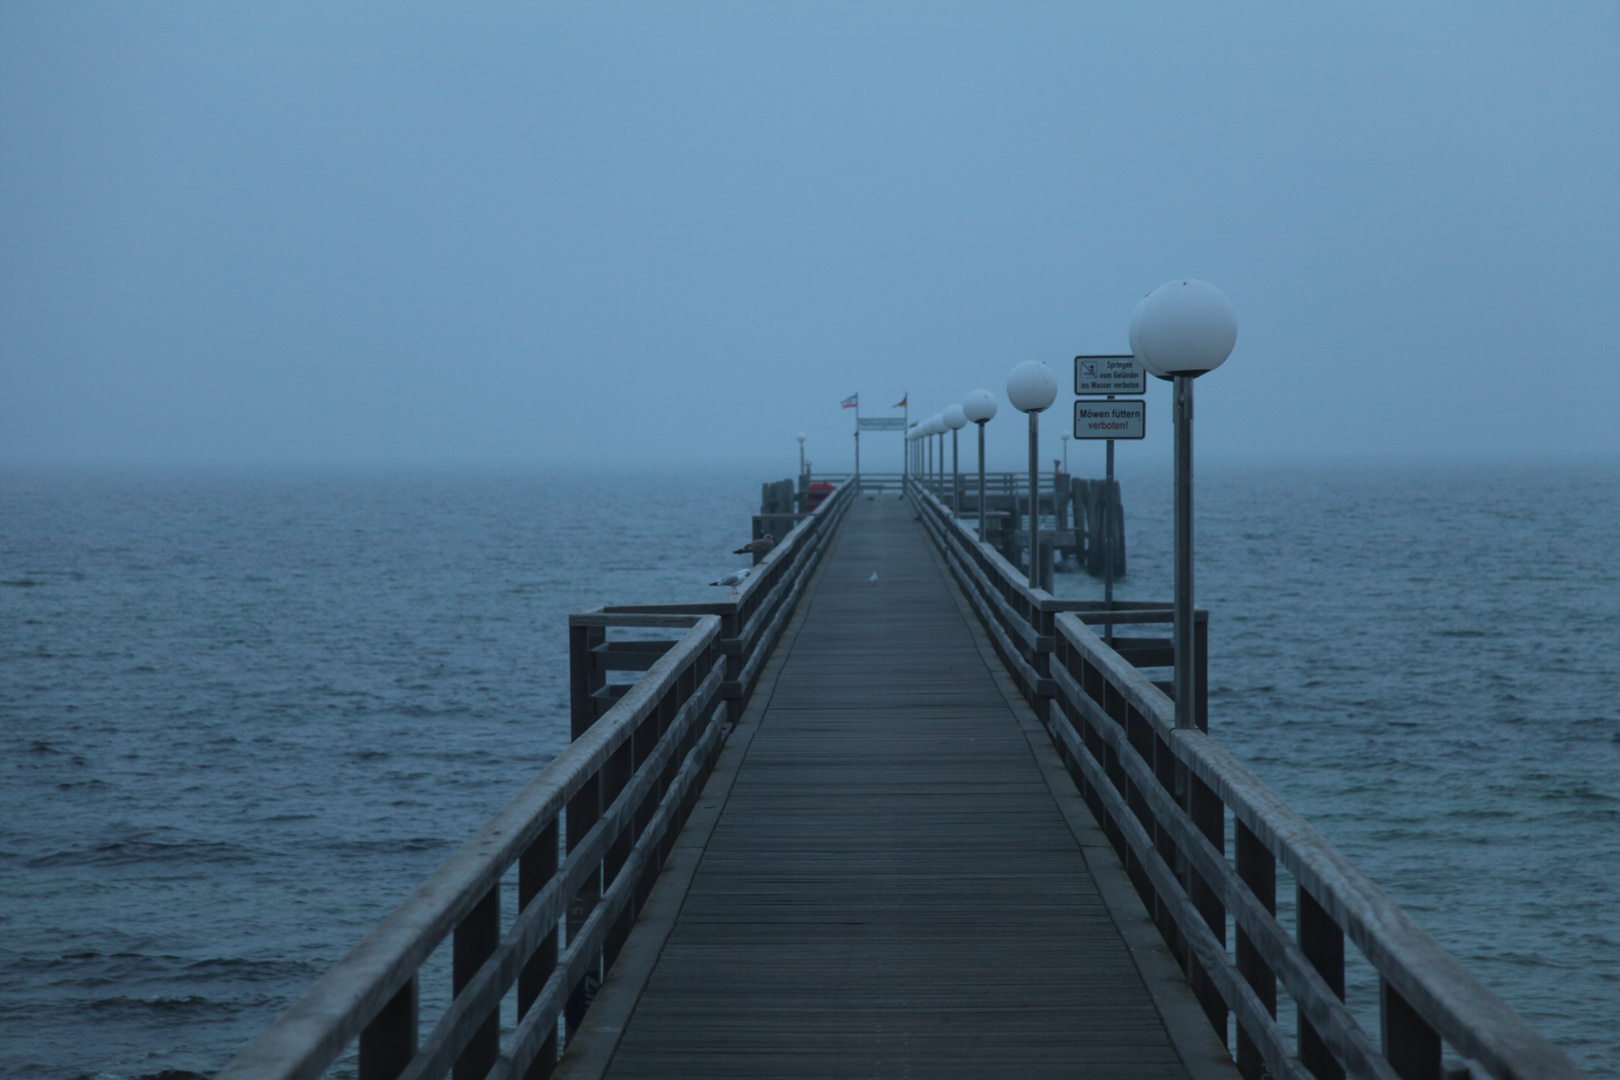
(242, 714)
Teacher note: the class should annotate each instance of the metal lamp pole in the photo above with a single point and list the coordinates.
(1032, 387)
(1180, 331)
(956, 420)
(1183, 414)
(1034, 499)
(956, 477)
(979, 407)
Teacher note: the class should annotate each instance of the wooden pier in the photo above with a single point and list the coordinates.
(886, 883)
(890, 811)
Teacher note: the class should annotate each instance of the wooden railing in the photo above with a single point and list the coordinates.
(582, 844)
(1168, 798)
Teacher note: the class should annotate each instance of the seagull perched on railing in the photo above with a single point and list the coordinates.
(757, 547)
(735, 579)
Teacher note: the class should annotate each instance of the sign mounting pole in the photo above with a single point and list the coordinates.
(1109, 376)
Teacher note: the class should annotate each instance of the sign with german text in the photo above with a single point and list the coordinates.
(1110, 419)
(881, 423)
(1109, 375)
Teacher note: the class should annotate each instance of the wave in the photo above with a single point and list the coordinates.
(125, 852)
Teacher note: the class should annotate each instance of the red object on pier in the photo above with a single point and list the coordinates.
(817, 491)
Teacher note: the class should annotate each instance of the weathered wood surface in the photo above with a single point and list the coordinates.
(890, 889)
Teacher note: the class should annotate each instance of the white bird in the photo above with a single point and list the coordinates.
(735, 579)
(873, 578)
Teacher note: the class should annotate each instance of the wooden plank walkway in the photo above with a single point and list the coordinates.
(890, 888)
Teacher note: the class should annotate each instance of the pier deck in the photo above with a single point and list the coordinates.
(885, 877)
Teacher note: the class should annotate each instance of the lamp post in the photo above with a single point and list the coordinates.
(1065, 437)
(936, 426)
(956, 420)
(1179, 331)
(979, 407)
(928, 453)
(800, 437)
(1031, 388)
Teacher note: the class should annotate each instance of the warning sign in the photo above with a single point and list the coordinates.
(1110, 419)
(1109, 375)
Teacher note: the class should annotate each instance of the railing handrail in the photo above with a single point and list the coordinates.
(314, 1031)
(1459, 1008)
(717, 658)
(1467, 1015)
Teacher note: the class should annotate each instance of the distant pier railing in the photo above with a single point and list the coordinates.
(582, 844)
(1167, 798)
(1087, 516)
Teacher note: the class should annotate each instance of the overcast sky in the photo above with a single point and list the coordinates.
(265, 233)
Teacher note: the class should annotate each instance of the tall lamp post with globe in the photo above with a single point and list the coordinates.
(979, 408)
(956, 420)
(1031, 388)
(800, 437)
(1180, 331)
(936, 426)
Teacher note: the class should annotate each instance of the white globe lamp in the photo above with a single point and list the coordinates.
(1184, 327)
(1032, 387)
(979, 407)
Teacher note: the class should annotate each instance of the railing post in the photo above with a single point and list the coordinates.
(537, 866)
(1209, 818)
(584, 680)
(616, 775)
(389, 1041)
(1410, 1044)
(476, 937)
(1257, 867)
(1322, 941)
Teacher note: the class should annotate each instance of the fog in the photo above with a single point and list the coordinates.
(315, 234)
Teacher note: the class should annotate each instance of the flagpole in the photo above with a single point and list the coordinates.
(857, 443)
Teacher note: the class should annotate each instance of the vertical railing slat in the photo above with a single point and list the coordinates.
(1322, 941)
(1257, 867)
(387, 1043)
(537, 866)
(1410, 1044)
(476, 937)
(1208, 815)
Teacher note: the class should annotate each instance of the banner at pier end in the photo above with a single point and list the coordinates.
(880, 423)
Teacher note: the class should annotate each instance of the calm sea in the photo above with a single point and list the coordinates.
(242, 714)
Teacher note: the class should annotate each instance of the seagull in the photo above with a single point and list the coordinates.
(873, 578)
(735, 579)
(757, 547)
